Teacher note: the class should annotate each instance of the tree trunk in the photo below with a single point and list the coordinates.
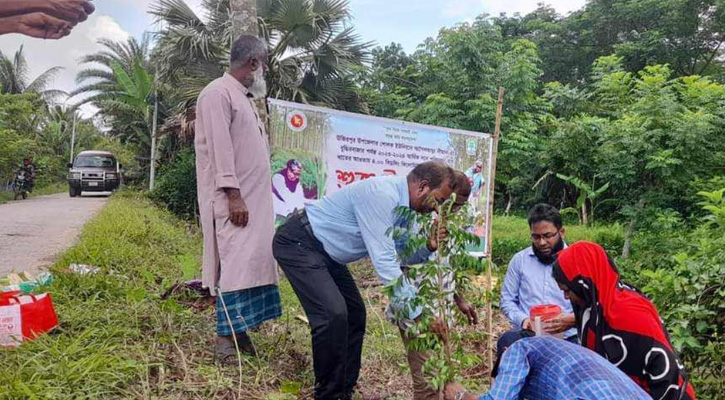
(509, 204)
(628, 239)
(585, 218)
(244, 21)
(243, 17)
(630, 229)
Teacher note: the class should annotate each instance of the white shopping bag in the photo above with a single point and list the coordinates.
(11, 326)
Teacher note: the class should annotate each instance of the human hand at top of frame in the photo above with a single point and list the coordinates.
(37, 25)
(73, 11)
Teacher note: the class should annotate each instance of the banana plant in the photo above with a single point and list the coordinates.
(714, 202)
(586, 192)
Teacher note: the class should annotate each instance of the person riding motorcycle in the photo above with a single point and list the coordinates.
(30, 169)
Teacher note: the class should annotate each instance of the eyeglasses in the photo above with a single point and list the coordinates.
(545, 236)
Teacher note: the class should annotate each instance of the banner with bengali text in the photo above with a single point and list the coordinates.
(317, 151)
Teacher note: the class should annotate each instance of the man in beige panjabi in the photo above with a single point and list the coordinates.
(235, 199)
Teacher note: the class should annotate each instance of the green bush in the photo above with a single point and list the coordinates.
(511, 235)
(685, 281)
(611, 238)
(176, 185)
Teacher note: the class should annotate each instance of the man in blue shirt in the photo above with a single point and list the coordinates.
(314, 246)
(546, 368)
(528, 280)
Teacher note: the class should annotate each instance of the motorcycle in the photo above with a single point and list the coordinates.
(21, 184)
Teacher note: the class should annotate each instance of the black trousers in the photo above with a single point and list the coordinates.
(333, 305)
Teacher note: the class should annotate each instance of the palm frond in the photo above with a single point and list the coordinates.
(176, 13)
(330, 14)
(43, 80)
(94, 74)
(20, 67)
(295, 22)
(218, 15)
(51, 96)
(8, 79)
(103, 87)
(114, 106)
(190, 42)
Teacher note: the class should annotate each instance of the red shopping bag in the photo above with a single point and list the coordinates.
(24, 317)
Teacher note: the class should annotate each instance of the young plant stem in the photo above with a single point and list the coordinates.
(442, 300)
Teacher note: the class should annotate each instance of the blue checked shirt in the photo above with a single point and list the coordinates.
(546, 368)
(354, 222)
(529, 283)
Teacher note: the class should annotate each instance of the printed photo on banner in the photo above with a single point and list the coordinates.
(295, 176)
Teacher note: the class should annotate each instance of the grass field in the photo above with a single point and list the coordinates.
(118, 338)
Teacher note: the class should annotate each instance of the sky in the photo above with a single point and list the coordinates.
(407, 22)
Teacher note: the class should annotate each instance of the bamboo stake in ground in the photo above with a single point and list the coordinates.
(489, 218)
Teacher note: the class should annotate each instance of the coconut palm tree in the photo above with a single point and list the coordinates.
(96, 82)
(311, 50)
(125, 91)
(14, 77)
(120, 84)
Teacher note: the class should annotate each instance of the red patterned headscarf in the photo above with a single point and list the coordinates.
(620, 323)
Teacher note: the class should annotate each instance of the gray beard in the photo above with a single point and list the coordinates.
(259, 86)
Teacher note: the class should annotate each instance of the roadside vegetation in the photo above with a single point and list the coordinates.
(119, 337)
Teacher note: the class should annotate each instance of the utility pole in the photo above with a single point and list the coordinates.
(152, 177)
(73, 138)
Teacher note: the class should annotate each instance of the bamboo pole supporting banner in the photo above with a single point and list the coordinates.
(489, 217)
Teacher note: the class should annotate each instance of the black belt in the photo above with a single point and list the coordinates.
(301, 216)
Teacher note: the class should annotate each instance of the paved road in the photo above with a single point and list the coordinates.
(35, 231)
